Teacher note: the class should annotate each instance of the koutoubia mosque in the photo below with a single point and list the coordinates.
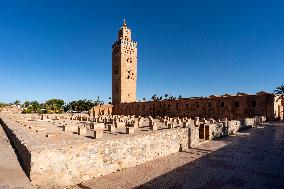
(124, 102)
(65, 150)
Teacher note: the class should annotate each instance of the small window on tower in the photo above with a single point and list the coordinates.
(222, 104)
(254, 103)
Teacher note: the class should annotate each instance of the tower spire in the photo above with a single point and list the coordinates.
(124, 22)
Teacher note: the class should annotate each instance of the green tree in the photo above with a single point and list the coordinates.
(34, 107)
(54, 105)
(154, 97)
(279, 91)
(17, 102)
(2, 105)
(80, 105)
(166, 96)
(26, 104)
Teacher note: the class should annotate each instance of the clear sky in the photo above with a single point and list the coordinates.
(62, 48)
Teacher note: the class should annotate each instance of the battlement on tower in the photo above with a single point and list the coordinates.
(124, 42)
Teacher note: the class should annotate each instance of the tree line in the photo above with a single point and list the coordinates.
(54, 106)
(165, 97)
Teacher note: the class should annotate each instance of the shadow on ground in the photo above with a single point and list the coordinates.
(255, 159)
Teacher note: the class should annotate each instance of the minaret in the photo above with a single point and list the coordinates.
(124, 67)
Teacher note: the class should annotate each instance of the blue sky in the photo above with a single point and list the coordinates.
(62, 48)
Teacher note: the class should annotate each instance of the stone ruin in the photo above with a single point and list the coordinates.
(83, 146)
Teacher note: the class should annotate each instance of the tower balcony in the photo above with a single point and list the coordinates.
(124, 42)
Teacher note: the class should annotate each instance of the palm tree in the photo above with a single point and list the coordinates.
(166, 96)
(26, 104)
(279, 91)
(154, 97)
(17, 102)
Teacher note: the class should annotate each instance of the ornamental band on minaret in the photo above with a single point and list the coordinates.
(124, 67)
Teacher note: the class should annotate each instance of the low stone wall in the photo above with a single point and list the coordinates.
(61, 165)
(22, 152)
(194, 136)
(232, 127)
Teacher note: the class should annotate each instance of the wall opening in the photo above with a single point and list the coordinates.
(254, 103)
(207, 132)
(237, 104)
(201, 131)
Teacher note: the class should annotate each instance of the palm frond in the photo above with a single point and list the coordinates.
(279, 91)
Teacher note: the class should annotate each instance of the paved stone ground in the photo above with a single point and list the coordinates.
(252, 159)
(11, 173)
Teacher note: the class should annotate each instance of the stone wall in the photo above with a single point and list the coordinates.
(194, 136)
(101, 110)
(21, 150)
(65, 164)
(226, 128)
(226, 106)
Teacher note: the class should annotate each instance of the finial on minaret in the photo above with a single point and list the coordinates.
(124, 23)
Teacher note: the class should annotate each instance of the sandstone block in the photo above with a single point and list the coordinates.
(154, 127)
(129, 130)
(98, 133)
(170, 125)
(71, 128)
(82, 131)
(111, 128)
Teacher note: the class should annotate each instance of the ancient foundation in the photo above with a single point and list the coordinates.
(71, 162)
(52, 155)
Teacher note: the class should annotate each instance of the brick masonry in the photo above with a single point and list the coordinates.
(124, 67)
